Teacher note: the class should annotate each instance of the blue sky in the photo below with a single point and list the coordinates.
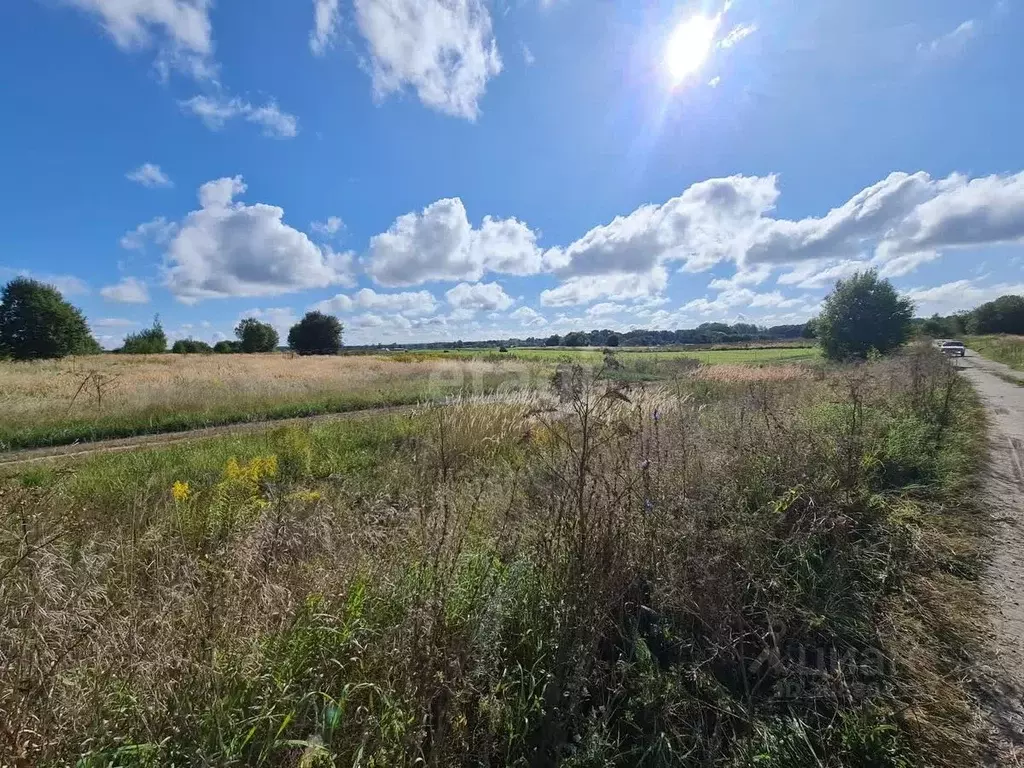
(443, 169)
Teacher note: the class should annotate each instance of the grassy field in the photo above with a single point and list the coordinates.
(91, 398)
(1002, 349)
(628, 355)
(108, 396)
(732, 570)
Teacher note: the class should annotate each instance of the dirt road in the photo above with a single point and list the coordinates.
(1002, 391)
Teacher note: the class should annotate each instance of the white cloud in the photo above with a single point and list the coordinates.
(215, 112)
(528, 317)
(439, 243)
(149, 175)
(69, 285)
(158, 231)
(408, 303)
(741, 277)
(959, 295)
(714, 81)
(952, 42)
(328, 228)
(180, 30)
(736, 34)
(325, 24)
(128, 291)
(617, 286)
(479, 296)
(282, 318)
(528, 58)
(228, 248)
(740, 297)
(105, 323)
(444, 49)
(605, 309)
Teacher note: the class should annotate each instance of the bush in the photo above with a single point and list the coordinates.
(227, 347)
(861, 315)
(191, 347)
(254, 336)
(612, 341)
(37, 323)
(152, 341)
(316, 334)
(553, 340)
(1004, 315)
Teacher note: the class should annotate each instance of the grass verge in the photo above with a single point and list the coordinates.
(1003, 349)
(771, 573)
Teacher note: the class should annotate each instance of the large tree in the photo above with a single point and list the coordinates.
(36, 322)
(255, 336)
(864, 313)
(1004, 315)
(316, 334)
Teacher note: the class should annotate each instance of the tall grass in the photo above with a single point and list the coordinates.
(772, 572)
(1002, 349)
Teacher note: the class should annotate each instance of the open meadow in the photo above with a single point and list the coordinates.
(57, 402)
(1002, 348)
(771, 568)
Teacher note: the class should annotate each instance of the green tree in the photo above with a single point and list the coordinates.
(612, 341)
(191, 347)
(316, 334)
(227, 347)
(1004, 315)
(863, 313)
(255, 336)
(553, 340)
(575, 339)
(152, 341)
(36, 322)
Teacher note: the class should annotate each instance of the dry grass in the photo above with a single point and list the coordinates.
(769, 573)
(750, 373)
(119, 395)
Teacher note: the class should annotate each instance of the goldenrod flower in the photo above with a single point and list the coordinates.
(180, 491)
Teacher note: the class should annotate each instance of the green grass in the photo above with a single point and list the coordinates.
(1003, 349)
(774, 575)
(628, 355)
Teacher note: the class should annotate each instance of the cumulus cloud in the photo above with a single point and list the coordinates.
(217, 111)
(443, 49)
(149, 175)
(528, 317)
(439, 243)
(158, 231)
(179, 30)
(479, 296)
(332, 226)
(325, 24)
(282, 318)
(605, 309)
(408, 303)
(619, 286)
(733, 298)
(128, 291)
(228, 248)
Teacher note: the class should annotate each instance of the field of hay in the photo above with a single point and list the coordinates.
(733, 568)
(61, 401)
(110, 396)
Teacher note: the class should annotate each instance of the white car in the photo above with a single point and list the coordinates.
(953, 348)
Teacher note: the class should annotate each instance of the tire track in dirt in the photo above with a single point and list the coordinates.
(1002, 392)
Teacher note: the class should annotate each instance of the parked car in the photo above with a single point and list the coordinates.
(953, 348)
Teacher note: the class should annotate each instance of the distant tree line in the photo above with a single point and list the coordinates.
(1003, 315)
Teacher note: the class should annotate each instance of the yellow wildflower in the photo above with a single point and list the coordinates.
(180, 491)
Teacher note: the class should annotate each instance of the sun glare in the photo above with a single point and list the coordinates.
(689, 46)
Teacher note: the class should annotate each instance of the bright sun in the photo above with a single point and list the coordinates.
(689, 46)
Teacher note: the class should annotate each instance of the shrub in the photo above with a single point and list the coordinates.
(863, 314)
(151, 341)
(316, 334)
(254, 336)
(191, 347)
(227, 347)
(553, 340)
(575, 339)
(36, 322)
